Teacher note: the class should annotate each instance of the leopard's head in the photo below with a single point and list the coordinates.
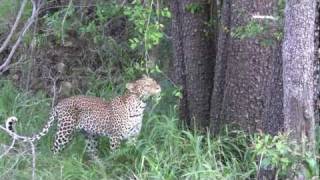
(144, 87)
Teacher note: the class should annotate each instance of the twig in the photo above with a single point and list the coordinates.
(33, 152)
(64, 20)
(123, 3)
(54, 80)
(35, 11)
(32, 51)
(10, 147)
(14, 27)
(54, 88)
(264, 17)
(14, 164)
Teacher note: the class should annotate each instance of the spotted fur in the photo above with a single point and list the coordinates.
(118, 119)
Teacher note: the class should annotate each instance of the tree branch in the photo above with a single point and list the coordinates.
(35, 12)
(14, 27)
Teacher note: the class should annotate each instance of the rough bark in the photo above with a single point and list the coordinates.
(317, 64)
(247, 80)
(272, 112)
(298, 70)
(193, 59)
(199, 62)
(178, 73)
(220, 69)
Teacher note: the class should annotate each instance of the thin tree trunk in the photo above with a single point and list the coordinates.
(199, 61)
(178, 73)
(298, 71)
(193, 58)
(317, 64)
(220, 68)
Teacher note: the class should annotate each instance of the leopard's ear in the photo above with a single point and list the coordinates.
(129, 86)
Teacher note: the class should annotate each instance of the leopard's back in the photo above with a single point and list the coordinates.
(92, 115)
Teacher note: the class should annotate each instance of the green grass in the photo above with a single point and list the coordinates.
(164, 150)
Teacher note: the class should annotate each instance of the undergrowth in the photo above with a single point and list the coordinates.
(164, 150)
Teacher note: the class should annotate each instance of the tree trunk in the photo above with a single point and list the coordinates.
(178, 73)
(317, 64)
(247, 82)
(298, 71)
(193, 59)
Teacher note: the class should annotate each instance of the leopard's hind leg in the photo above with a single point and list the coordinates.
(66, 127)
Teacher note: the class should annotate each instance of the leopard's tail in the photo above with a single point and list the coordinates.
(11, 122)
(46, 128)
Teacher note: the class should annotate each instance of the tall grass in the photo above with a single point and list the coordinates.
(164, 149)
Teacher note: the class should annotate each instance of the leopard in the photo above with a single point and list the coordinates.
(119, 118)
